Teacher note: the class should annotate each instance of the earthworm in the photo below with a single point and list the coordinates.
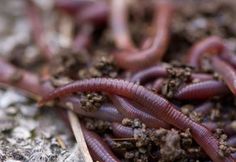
(204, 108)
(129, 110)
(226, 71)
(212, 44)
(200, 91)
(158, 106)
(197, 77)
(152, 55)
(232, 141)
(96, 14)
(83, 38)
(72, 6)
(19, 78)
(153, 72)
(229, 57)
(38, 31)
(157, 86)
(122, 131)
(98, 148)
(119, 24)
(106, 112)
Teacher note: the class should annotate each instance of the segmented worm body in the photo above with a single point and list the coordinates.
(229, 57)
(98, 148)
(158, 106)
(129, 110)
(200, 91)
(152, 55)
(212, 44)
(122, 131)
(226, 71)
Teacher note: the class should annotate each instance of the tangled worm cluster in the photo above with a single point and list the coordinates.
(145, 88)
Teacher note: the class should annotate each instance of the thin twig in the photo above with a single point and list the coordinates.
(76, 128)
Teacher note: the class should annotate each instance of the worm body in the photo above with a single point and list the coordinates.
(204, 108)
(211, 44)
(227, 72)
(200, 91)
(152, 55)
(98, 148)
(230, 58)
(119, 24)
(122, 131)
(155, 104)
(127, 109)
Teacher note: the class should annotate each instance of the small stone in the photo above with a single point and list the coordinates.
(21, 133)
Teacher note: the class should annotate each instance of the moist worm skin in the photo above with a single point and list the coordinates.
(150, 73)
(204, 108)
(127, 109)
(212, 44)
(226, 71)
(229, 57)
(158, 106)
(122, 131)
(147, 57)
(157, 85)
(202, 90)
(98, 148)
(119, 25)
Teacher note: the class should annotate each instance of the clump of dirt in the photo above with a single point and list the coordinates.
(97, 125)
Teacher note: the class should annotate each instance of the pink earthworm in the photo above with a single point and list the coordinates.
(200, 91)
(99, 150)
(158, 106)
(152, 55)
(212, 44)
(38, 30)
(204, 108)
(199, 77)
(226, 71)
(129, 110)
(122, 131)
(97, 14)
(119, 25)
(158, 84)
(229, 57)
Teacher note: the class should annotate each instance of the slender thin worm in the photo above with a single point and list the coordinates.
(158, 106)
(97, 14)
(202, 90)
(19, 78)
(152, 55)
(98, 148)
(119, 24)
(122, 131)
(232, 141)
(72, 6)
(129, 110)
(199, 77)
(226, 71)
(212, 44)
(38, 31)
(83, 38)
(31, 84)
(158, 84)
(204, 108)
(153, 72)
(106, 112)
(229, 57)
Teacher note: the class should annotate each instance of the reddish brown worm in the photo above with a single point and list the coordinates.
(202, 90)
(153, 72)
(129, 110)
(119, 25)
(37, 30)
(99, 150)
(97, 14)
(157, 85)
(152, 55)
(232, 141)
(83, 39)
(212, 44)
(122, 131)
(226, 71)
(158, 106)
(204, 108)
(229, 57)
(72, 6)
(197, 77)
